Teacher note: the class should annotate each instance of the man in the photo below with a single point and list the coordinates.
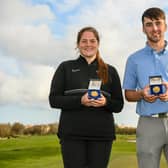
(146, 82)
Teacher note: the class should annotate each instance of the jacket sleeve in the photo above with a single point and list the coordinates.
(115, 102)
(57, 99)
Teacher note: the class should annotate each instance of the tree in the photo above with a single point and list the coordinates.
(17, 129)
(5, 130)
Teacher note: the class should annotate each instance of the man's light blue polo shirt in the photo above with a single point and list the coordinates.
(140, 65)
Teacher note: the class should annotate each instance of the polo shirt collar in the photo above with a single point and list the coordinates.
(150, 49)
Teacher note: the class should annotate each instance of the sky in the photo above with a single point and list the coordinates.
(37, 35)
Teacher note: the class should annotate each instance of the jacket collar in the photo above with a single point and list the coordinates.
(81, 59)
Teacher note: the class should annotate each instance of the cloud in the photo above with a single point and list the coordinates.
(19, 12)
(22, 39)
(29, 88)
(66, 5)
(28, 42)
(21, 36)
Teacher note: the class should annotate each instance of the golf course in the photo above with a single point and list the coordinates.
(44, 152)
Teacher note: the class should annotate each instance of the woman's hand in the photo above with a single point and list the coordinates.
(93, 102)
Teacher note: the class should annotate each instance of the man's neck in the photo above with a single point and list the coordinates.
(157, 46)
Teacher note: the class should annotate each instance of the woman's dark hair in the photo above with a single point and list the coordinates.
(102, 66)
(154, 13)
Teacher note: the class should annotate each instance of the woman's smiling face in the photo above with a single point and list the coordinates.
(88, 45)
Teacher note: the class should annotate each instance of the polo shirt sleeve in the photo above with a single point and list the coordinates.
(130, 78)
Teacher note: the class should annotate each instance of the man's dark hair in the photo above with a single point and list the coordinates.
(154, 13)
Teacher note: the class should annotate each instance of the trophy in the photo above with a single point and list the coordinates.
(156, 86)
(94, 89)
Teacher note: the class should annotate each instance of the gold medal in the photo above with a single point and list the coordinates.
(155, 83)
(94, 88)
(156, 89)
(94, 93)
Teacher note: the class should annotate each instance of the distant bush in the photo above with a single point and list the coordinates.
(5, 130)
(41, 129)
(125, 130)
(53, 128)
(17, 129)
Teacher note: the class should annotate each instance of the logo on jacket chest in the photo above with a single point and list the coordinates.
(75, 70)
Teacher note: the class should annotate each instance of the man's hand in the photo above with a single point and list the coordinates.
(147, 96)
(164, 96)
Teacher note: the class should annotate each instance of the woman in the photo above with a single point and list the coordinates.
(86, 127)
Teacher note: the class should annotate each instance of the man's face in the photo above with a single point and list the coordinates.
(154, 29)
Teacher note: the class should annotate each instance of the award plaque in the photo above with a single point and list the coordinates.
(94, 89)
(155, 83)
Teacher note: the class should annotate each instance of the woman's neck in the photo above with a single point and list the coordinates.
(89, 59)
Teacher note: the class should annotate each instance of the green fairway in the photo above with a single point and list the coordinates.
(124, 153)
(44, 152)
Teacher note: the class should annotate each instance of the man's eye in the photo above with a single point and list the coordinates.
(158, 23)
(148, 24)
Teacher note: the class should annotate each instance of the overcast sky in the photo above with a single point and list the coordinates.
(37, 35)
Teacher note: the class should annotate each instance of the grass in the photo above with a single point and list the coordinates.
(44, 152)
(30, 152)
(124, 153)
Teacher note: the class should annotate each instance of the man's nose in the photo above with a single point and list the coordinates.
(155, 27)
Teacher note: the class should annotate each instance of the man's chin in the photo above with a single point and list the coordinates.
(154, 40)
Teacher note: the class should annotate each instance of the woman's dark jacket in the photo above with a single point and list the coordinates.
(69, 84)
